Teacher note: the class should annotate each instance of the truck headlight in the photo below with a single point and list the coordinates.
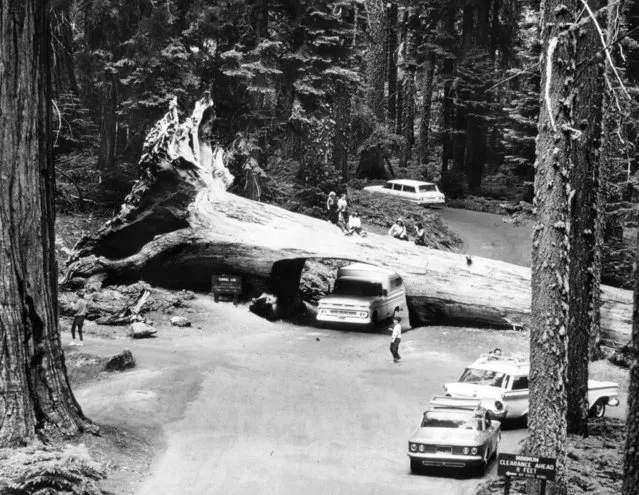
(421, 448)
(473, 450)
(413, 447)
(466, 450)
(499, 405)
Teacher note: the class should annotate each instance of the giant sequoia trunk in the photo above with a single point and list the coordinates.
(551, 243)
(376, 58)
(179, 226)
(34, 390)
(584, 282)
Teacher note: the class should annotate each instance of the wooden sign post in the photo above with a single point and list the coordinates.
(226, 284)
(522, 466)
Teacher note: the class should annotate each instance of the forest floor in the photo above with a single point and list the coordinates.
(138, 410)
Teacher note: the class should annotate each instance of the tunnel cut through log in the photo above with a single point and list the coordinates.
(179, 225)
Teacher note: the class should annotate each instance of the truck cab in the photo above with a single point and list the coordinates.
(363, 294)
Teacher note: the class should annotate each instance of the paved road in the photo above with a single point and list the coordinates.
(491, 236)
(270, 408)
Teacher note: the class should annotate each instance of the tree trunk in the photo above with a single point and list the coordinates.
(631, 450)
(261, 19)
(64, 68)
(448, 108)
(408, 89)
(108, 127)
(179, 227)
(34, 390)
(547, 423)
(427, 100)
(587, 90)
(376, 60)
(392, 61)
(342, 115)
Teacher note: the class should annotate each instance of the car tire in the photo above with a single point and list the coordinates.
(374, 318)
(483, 469)
(415, 466)
(598, 410)
(396, 313)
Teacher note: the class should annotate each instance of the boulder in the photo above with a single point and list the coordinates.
(180, 321)
(139, 330)
(120, 362)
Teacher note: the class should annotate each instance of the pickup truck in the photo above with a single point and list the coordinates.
(501, 382)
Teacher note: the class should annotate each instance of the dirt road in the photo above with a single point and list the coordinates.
(247, 406)
(490, 236)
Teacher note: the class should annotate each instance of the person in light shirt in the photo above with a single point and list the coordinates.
(355, 224)
(398, 231)
(78, 319)
(396, 338)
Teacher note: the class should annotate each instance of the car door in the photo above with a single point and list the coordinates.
(409, 192)
(517, 396)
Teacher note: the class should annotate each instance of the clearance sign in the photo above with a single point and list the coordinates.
(524, 466)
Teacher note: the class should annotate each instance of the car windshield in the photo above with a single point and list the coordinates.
(357, 288)
(451, 419)
(483, 377)
(428, 188)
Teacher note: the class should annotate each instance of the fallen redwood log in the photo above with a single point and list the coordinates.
(179, 226)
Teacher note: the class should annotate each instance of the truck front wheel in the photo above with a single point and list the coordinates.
(598, 410)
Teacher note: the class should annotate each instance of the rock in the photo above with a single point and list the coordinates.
(139, 330)
(120, 362)
(180, 321)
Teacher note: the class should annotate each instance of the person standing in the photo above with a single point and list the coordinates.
(78, 318)
(396, 338)
(331, 207)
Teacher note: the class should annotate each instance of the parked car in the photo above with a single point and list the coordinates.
(423, 193)
(363, 294)
(454, 433)
(501, 382)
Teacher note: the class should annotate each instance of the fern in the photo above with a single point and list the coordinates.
(44, 470)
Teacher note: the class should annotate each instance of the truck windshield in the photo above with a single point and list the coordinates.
(357, 288)
(483, 377)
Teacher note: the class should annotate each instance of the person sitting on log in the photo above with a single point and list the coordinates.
(331, 207)
(398, 231)
(419, 234)
(355, 224)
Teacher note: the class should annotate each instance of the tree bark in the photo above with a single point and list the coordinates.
(547, 422)
(408, 90)
(342, 115)
(631, 450)
(427, 100)
(392, 61)
(108, 126)
(34, 390)
(376, 60)
(586, 90)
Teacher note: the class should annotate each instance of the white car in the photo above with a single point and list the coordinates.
(423, 193)
(501, 382)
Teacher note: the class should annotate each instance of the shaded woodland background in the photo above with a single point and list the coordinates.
(312, 96)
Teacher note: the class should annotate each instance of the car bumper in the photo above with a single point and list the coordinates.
(447, 460)
(432, 202)
(344, 319)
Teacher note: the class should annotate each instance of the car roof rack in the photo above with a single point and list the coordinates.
(515, 359)
(441, 402)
